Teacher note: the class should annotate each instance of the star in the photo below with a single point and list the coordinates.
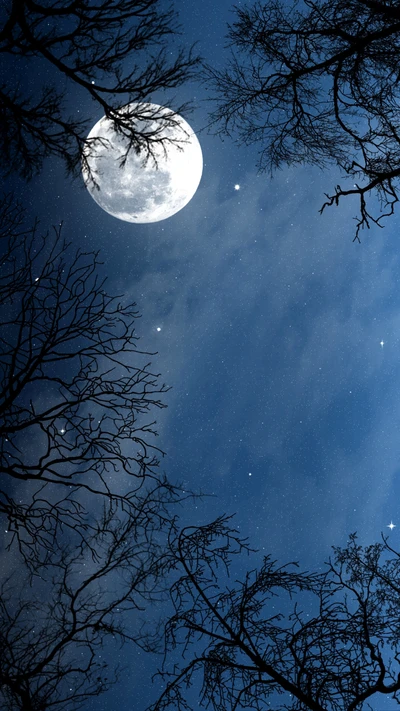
(237, 186)
(382, 343)
(62, 431)
(391, 526)
(158, 329)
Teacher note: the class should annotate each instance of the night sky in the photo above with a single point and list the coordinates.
(278, 335)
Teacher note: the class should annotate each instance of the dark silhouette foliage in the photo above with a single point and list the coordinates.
(110, 53)
(77, 396)
(280, 638)
(318, 82)
(62, 628)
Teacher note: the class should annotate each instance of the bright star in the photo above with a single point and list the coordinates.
(158, 329)
(237, 186)
(391, 526)
(62, 431)
(382, 343)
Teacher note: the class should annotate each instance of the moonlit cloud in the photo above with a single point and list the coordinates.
(261, 317)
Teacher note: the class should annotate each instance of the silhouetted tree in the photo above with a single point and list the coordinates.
(113, 52)
(281, 639)
(61, 631)
(76, 394)
(318, 82)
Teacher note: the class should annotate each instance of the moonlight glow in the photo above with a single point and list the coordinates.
(143, 190)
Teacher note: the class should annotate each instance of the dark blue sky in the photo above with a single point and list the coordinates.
(271, 322)
(284, 404)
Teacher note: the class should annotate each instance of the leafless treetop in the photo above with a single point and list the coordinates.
(277, 637)
(318, 82)
(77, 395)
(111, 53)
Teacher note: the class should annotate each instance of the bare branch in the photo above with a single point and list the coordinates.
(59, 631)
(116, 52)
(281, 638)
(77, 395)
(317, 83)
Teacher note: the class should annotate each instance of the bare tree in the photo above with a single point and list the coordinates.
(112, 53)
(61, 631)
(77, 396)
(281, 639)
(318, 82)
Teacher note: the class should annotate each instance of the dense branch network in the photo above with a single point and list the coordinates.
(318, 82)
(116, 52)
(281, 638)
(61, 631)
(77, 396)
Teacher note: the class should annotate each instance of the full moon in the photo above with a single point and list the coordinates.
(143, 189)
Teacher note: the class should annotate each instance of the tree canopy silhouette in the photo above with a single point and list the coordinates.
(77, 396)
(318, 82)
(62, 628)
(112, 53)
(280, 638)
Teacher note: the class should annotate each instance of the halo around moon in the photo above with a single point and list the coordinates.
(143, 189)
